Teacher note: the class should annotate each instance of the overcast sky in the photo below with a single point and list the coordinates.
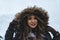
(8, 8)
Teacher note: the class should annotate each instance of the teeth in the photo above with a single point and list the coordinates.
(33, 24)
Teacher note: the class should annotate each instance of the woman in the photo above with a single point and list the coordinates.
(33, 25)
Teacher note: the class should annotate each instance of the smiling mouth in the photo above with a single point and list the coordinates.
(33, 24)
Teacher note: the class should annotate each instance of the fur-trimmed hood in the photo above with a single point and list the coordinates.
(39, 12)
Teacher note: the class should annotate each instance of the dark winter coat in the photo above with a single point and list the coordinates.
(14, 33)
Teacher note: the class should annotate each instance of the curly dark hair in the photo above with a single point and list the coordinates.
(40, 14)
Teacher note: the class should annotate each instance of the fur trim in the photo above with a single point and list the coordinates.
(39, 12)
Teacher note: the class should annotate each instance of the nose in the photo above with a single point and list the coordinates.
(32, 20)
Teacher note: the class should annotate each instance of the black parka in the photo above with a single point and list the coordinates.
(12, 29)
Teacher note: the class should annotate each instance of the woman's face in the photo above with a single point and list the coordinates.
(32, 21)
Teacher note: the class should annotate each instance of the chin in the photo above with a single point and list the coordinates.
(33, 26)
